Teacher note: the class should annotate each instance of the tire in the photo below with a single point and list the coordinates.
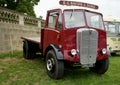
(101, 66)
(113, 54)
(27, 52)
(54, 67)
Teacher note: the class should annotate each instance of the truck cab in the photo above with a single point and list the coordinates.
(74, 35)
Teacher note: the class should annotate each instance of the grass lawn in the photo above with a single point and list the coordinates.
(15, 70)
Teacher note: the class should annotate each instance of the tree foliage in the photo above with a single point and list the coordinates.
(24, 6)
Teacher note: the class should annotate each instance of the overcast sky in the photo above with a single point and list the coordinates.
(109, 8)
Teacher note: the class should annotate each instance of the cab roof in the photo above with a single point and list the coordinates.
(62, 8)
(68, 4)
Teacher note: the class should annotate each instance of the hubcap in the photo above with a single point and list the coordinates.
(49, 64)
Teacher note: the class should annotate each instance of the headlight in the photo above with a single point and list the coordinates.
(104, 51)
(73, 52)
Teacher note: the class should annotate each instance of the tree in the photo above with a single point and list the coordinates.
(24, 6)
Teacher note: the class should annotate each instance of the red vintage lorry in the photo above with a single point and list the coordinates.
(72, 36)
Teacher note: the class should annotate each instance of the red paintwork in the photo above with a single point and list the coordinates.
(67, 39)
(69, 42)
(101, 44)
(50, 37)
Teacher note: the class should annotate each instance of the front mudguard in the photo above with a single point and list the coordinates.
(57, 51)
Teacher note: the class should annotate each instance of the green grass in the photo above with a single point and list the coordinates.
(15, 70)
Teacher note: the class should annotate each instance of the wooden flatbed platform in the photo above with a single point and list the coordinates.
(36, 40)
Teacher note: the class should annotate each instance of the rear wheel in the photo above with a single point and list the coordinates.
(54, 67)
(27, 51)
(101, 66)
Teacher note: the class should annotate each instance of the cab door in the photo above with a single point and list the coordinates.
(51, 32)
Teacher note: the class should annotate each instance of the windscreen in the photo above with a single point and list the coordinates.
(119, 29)
(94, 20)
(112, 27)
(74, 19)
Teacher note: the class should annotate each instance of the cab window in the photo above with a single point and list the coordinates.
(52, 20)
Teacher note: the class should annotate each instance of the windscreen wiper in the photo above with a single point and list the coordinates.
(71, 15)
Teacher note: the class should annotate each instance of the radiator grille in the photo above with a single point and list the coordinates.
(87, 43)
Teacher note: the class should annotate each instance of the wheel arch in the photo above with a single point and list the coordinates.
(57, 51)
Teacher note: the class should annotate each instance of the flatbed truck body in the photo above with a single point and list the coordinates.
(70, 35)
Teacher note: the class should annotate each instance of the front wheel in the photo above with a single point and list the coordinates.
(54, 67)
(100, 66)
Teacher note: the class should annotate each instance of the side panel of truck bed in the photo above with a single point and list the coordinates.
(35, 40)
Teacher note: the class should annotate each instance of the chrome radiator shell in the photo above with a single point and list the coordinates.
(87, 44)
